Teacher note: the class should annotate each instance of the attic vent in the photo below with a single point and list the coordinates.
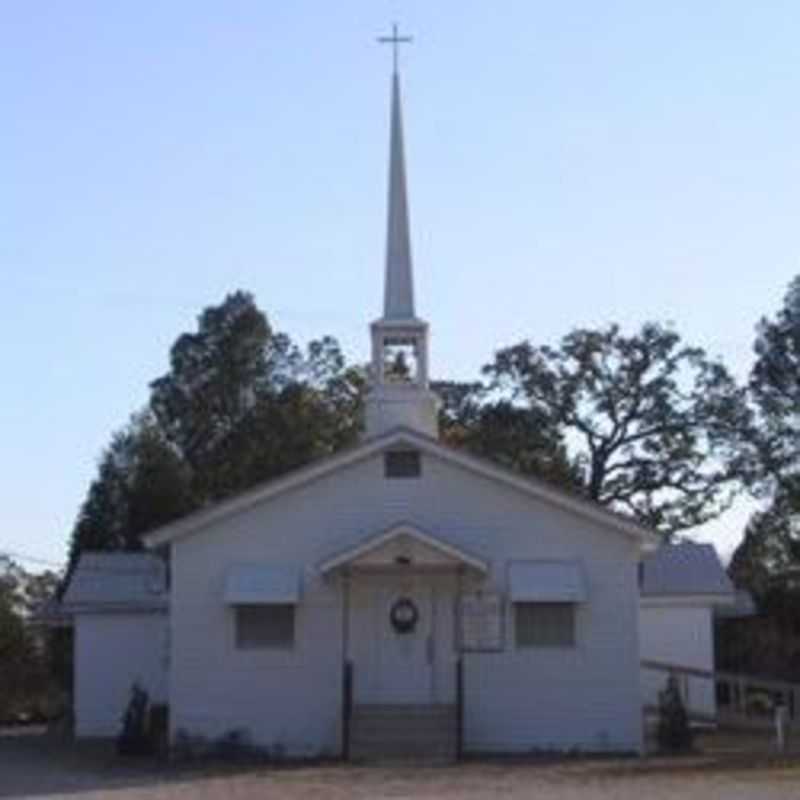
(402, 464)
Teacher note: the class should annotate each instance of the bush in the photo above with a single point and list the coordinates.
(674, 731)
(159, 728)
(135, 737)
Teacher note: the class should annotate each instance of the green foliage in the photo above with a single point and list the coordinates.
(242, 404)
(641, 423)
(25, 664)
(134, 738)
(767, 562)
(15, 645)
(523, 439)
(239, 405)
(674, 732)
(770, 548)
(217, 376)
(653, 421)
(775, 388)
(142, 483)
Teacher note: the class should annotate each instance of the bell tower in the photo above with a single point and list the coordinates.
(399, 392)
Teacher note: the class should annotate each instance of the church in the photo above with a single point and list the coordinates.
(398, 598)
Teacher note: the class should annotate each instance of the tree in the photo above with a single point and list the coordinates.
(775, 389)
(243, 404)
(338, 390)
(653, 421)
(770, 549)
(24, 655)
(240, 404)
(522, 439)
(217, 376)
(142, 482)
(15, 648)
(767, 564)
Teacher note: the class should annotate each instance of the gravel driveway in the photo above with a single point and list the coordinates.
(38, 766)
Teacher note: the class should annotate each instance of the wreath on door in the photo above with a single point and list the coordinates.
(404, 615)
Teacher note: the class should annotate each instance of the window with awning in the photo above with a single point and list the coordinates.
(544, 624)
(545, 595)
(547, 582)
(264, 626)
(254, 584)
(263, 598)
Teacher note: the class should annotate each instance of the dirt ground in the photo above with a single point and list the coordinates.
(41, 766)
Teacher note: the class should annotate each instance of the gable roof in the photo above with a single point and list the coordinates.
(116, 582)
(403, 437)
(375, 542)
(686, 568)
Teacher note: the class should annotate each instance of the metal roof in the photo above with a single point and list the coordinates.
(685, 568)
(117, 581)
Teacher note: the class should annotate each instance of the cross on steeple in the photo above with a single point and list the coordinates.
(394, 40)
(399, 395)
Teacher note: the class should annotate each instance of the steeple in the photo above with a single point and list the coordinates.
(399, 394)
(398, 301)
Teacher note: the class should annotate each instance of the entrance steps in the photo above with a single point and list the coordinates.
(416, 732)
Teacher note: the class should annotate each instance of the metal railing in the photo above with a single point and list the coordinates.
(347, 707)
(459, 707)
(746, 701)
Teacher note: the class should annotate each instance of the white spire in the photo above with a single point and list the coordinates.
(399, 394)
(398, 302)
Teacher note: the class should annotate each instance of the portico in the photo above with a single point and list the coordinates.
(400, 629)
(401, 589)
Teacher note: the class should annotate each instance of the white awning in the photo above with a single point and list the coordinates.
(262, 585)
(546, 582)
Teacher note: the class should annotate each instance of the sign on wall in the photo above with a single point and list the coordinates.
(481, 621)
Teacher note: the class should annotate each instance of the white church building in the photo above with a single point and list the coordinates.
(400, 597)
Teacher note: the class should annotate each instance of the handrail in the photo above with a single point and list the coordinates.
(347, 707)
(736, 690)
(679, 669)
(460, 707)
(765, 683)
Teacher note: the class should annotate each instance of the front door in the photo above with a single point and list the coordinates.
(393, 638)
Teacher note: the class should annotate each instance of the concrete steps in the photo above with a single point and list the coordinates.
(418, 732)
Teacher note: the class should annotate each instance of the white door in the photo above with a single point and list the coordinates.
(394, 641)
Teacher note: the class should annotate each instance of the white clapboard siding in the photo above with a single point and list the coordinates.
(587, 696)
(682, 635)
(112, 650)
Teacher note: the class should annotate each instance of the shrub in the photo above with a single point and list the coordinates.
(135, 736)
(158, 728)
(674, 731)
(236, 744)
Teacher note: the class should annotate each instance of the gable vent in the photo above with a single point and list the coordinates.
(402, 464)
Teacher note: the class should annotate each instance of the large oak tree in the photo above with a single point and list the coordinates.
(652, 421)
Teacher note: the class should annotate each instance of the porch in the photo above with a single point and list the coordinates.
(403, 693)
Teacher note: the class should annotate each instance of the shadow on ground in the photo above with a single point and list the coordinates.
(36, 764)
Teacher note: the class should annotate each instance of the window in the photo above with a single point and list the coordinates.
(402, 464)
(545, 624)
(262, 626)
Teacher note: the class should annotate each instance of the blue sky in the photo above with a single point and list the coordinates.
(569, 164)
